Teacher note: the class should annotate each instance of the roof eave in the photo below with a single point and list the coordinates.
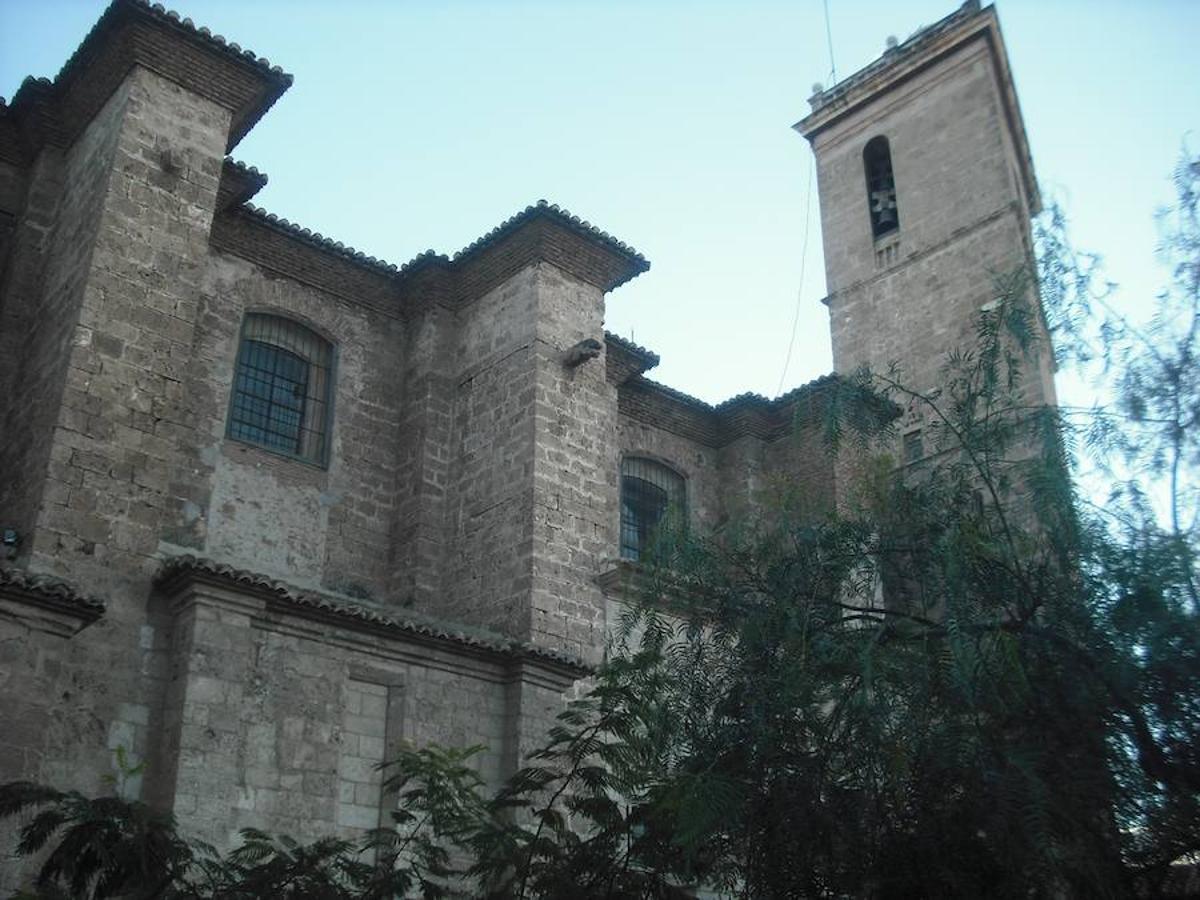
(133, 33)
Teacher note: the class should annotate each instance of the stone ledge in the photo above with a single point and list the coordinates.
(280, 597)
(920, 40)
(45, 603)
(622, 579)
(630, 582)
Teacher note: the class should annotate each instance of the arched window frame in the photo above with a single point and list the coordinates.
(640, 477)
(882, 204)
(281, 398)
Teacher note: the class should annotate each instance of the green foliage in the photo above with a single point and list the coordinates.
(969, 681)
(583, 819)
(101, 847)
(439, 805)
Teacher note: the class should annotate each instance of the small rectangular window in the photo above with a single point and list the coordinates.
(914, 447)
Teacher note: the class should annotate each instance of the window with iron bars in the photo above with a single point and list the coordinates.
(282, 388)
(651, 493)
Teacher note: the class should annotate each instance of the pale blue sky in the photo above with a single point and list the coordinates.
(415, 125)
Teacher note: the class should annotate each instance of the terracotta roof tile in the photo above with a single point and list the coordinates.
(172, 19)
(353, 613)
(59, 109)
(316, 239)
(719, 424)
(52, 589)
(630, 347)
(239, 183)
(428, 257)
(564, 217)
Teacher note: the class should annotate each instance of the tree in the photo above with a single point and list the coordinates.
(1020, 715)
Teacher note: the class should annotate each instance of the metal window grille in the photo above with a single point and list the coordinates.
(281, 388)
(651, 493)
(881, 187)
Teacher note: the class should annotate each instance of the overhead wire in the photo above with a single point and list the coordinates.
(832, 79)
(829, 43)
(800, 289)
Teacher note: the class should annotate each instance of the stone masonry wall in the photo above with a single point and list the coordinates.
(95, 511)
(488, 566)
(124, 424)
(43, 291)
(31, 197)
(574, 463)
(698, 463)
(421, 536)
(138, 463)
(912, 296)
(799, 468)
(115, 317)
(273, 514)
(277, 722)
(951, 165)
(363, 738)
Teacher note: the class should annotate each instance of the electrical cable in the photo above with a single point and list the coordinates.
(803, 265)
(829, 43)
(807, 216)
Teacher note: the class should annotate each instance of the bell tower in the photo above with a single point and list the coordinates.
(927, 188)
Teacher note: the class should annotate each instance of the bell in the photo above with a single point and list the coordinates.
(884, 207)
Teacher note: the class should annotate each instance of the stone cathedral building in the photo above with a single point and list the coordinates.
(270, 505)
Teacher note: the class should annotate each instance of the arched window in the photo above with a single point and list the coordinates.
(650, 492)
(881, 187)
(281, 388)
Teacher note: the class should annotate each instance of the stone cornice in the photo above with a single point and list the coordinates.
(625, 359)
(133, 33)
(540, 233)
(546, 231)
(239, 183)
(179, 571)
(715, 426)
(926, 48)
(45, 603)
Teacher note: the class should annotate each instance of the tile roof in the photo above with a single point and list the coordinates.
(52, 590)
(717, 425)
(746, 399)
(353, 614)
(318, 240)
(541, 209)
(122, 37)
(158, 13)
(544, 209)
(239, 182)
(625, 359)
(636, 349)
